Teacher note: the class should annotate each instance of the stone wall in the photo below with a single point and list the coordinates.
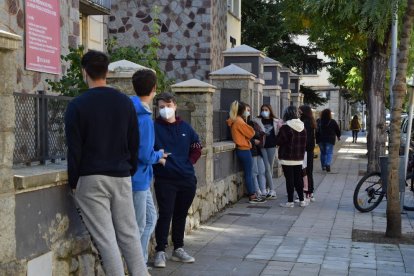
(192, 33)
(12, 20)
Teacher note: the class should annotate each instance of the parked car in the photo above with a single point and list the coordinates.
(403, 138)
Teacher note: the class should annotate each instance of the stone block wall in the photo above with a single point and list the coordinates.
(193, 33)
(12, 20)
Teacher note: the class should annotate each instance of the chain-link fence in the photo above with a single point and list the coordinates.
(40, 131)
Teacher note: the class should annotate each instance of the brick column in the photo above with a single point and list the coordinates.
(8, 44)
(197, 97)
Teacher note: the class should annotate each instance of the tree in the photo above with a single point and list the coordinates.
(343, 28)
(264, 28)
(311, 97)
(399, 89)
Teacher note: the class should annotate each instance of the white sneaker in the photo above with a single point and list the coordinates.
(303, 203)
(179, 255)
(312, 198)
(287, 205)
(271, 195)
(160, 259)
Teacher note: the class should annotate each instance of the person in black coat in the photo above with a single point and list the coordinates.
(327, 132)
(310, 125)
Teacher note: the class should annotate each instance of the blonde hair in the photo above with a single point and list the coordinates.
(234, 109)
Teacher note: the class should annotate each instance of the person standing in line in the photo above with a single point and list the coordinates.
(175, 181)
(258, 169)
(355, 127)
(310, 126)
(145, 83)
(327, 131)
(241, 134)
(272, 125)
(102, 138)
(291, 140)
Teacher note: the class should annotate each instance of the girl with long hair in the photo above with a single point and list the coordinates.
(355, 127)
(271, 124)
(327, 132)
(310, 125)
(241, 134)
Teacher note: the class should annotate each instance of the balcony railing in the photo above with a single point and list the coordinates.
(95, 7)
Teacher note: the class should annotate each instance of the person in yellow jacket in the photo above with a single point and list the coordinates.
(241, 134)
(355, 127)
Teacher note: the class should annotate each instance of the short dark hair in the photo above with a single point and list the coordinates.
(95, 64)
(166, 97)
(144, 81)
(291, 112)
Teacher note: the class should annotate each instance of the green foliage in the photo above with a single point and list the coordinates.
(311, 97)
(71, 84)
(146, 56)
(264, 28)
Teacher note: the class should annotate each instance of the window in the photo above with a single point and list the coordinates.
(310, 65)
(234, 7)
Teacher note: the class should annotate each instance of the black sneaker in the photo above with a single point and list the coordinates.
(328, 168)
(254, 199)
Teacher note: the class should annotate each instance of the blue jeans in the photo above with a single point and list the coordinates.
(245, 157)
(269, 159)
(259, 177)
(326, 153)
(146, 216)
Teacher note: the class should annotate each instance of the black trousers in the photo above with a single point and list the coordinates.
(174, 198)
(294, 181)
(309, 171)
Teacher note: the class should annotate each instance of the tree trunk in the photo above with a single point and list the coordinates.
(399, 88)
(375, 70)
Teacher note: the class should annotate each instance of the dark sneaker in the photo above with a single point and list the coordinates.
(323, 168)
(255, 199)
(160, 259)
(328, 168)
(179, 255)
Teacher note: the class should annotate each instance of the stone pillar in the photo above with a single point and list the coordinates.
(8, 44)
(273, 91)
(257, 95)
(120, 75)
(197, 96)
(295, 97)
(285, 95)
(233, 77)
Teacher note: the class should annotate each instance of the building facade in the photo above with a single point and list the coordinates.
(193, 34)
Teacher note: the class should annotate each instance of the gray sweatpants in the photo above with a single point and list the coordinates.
(107, 210)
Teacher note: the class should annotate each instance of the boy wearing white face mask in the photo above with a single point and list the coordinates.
(175, 180)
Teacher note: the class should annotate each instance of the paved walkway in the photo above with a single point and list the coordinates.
(266, 239)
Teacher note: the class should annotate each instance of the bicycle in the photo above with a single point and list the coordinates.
(369, 192)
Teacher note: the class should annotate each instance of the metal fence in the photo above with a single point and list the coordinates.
(221, 132)
(40, 133)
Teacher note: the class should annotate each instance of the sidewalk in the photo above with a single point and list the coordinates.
(266, 239)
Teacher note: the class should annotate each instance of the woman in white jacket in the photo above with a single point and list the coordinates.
(271, 125)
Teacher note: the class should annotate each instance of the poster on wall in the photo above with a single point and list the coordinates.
(43, 36)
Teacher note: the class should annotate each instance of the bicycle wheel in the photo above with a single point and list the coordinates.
(409, 193)
(368, 192)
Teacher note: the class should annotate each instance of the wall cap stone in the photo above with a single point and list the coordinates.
(285, 91)
(125, 65)
(285, 69)
(232, 77)
(272, 87)
(9, 41)
(29, 178)
(294, 76)
(271, 62)
(243, 50)
(193, 85)
(223, 146)
(232, 70)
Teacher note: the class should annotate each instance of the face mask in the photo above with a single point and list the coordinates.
(265, 114)
(167, 112)
(246, 113)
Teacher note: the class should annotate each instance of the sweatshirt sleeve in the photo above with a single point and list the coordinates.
(281, 138)
(195, 147)
(133, 139)
(74, 143)
(147, 154)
